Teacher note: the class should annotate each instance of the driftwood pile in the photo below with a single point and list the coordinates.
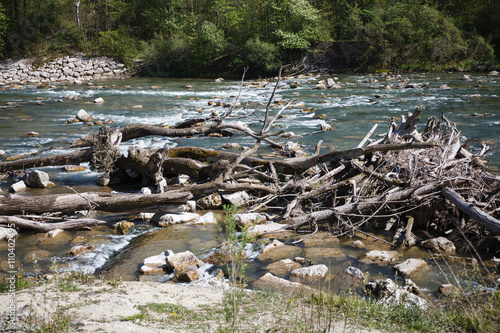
(396, 179)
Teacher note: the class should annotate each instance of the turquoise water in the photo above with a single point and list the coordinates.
(351, 111)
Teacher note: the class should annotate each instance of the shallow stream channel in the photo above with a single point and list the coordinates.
(360, 101)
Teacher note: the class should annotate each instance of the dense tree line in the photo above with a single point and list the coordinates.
(191, 37)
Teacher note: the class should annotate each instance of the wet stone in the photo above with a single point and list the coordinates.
(440, 245)
(282, 267)
(410, 266)
(315, 272)
(271, 282)
(383, 256)
(323, 252)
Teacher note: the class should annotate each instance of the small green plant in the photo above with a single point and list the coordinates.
(235, 245)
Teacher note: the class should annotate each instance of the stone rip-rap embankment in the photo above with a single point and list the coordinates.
(74, 69)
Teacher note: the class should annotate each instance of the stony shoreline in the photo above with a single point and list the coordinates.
(73, 69)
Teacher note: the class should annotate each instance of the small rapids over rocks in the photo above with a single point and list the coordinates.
(338, 111)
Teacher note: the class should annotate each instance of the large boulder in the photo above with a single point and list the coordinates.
(38, 179)
(187, 274)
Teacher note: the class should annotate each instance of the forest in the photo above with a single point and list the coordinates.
(206, 37)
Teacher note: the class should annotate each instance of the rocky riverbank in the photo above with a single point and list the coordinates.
(74, 69)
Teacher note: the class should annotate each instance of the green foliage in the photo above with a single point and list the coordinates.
(235, 245)
(168, 54)
(262, 55)
(3, 29)
(118, 44)
(401, 34)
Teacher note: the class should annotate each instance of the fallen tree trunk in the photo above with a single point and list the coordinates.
(109, 202)
(73, 158)
(485, 220)
(44, 227)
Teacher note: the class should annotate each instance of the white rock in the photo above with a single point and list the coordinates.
(269, 281)
(6, 233)
(17, 187)
(146, 190)
(410, 266)
(2, 153)
(164, 220)
(440, 245)
(261, 229)
(315, 271)
(54, 233)
(208, 218)
(355, 272)
(82, 115)
(180, 260)
(250, 219)
(384, 256)
(99, 100)
(238, 198)
(146, 216)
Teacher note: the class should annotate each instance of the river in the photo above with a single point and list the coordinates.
(362, 101)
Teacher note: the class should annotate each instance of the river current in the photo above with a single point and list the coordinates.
(361, 101)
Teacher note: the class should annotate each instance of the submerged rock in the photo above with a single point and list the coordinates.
(384, 256)
(123, 227)
(282, 267)
(79, 249)
(261, 229)
(355, 272)
(54, 233)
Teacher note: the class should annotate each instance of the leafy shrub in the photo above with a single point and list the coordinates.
(118, 44)
(261, 55)
(169, 54)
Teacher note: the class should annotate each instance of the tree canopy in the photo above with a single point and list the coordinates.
(194, 37)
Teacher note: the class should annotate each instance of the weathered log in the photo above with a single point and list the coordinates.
(483, 219)
(109, 202)
(73, 158)
(44, 227)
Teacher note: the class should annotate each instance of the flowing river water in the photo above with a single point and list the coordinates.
(362, 101)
